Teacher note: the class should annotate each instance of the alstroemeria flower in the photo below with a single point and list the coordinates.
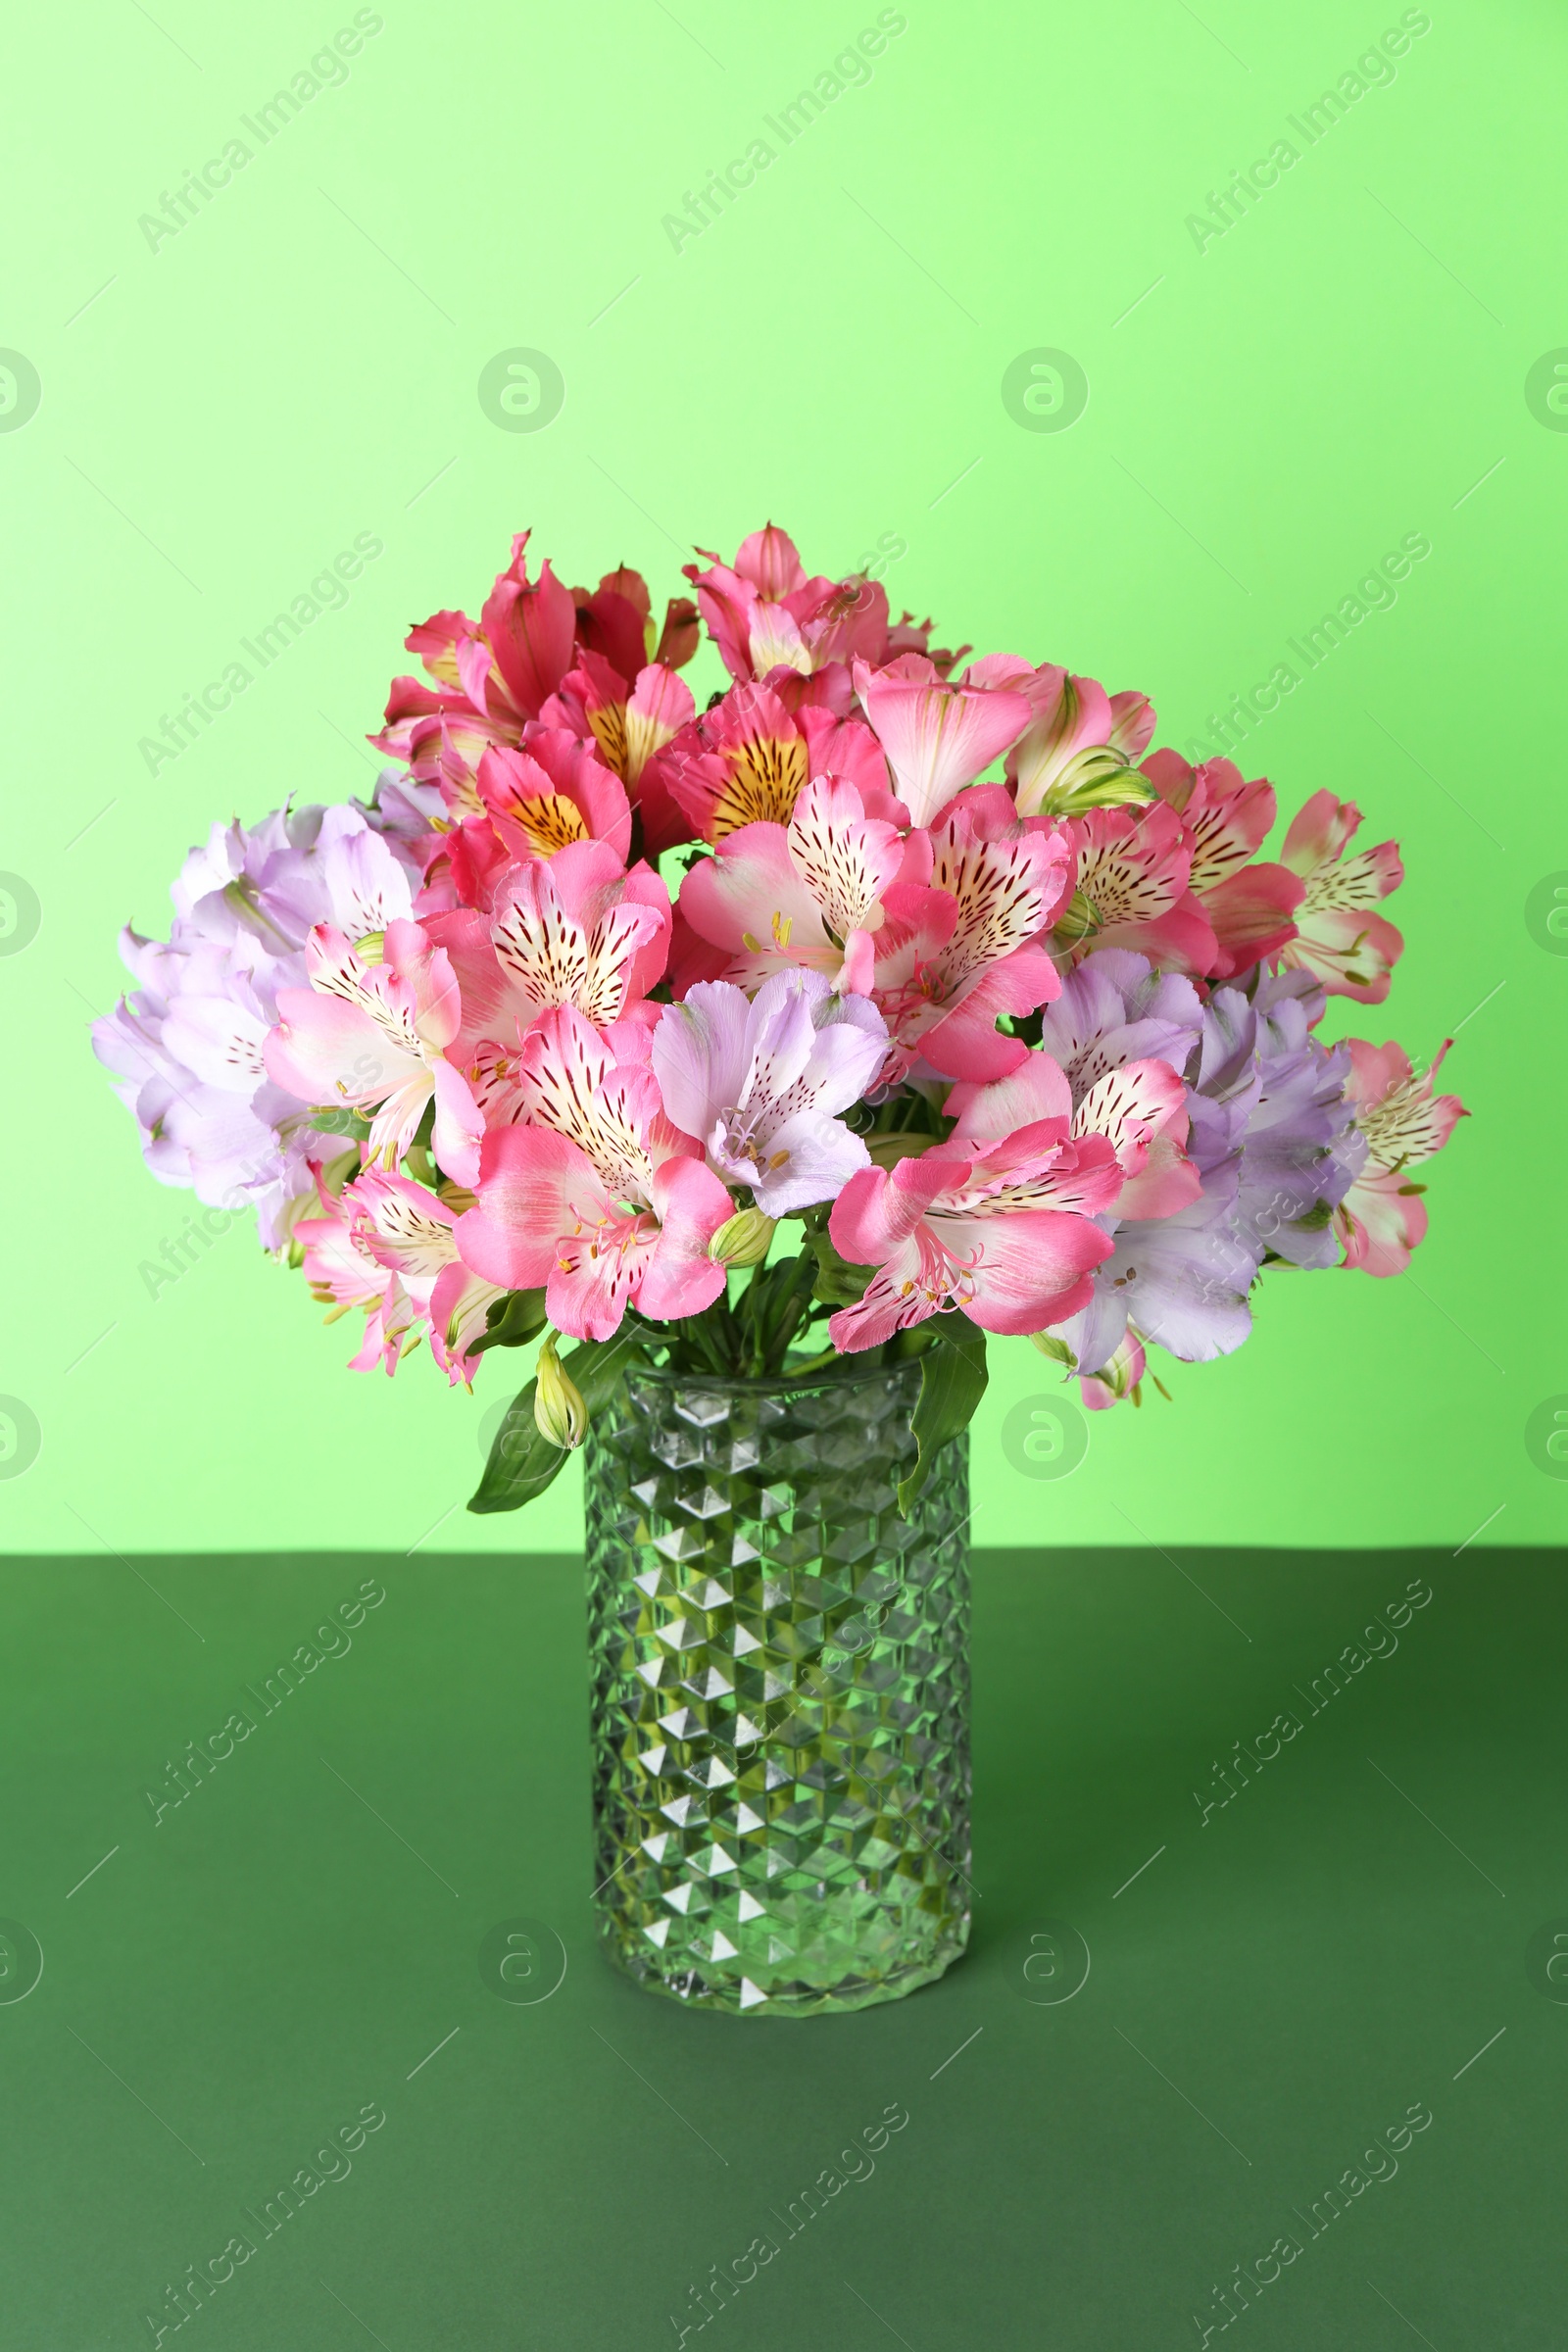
(955, 953)
(598, 1086)
(760, 1083)
(1269, 1144)
(188, 1046)
(1252, 909)
(631, 726)
(439, 732)
(1002, 1231)
(777, 898)
(386, 1245)
(937, 736)
(606, 1208)
(1080, 741)
(765, 614)
(341, 1274)
(1116, 1007)
(1351, 951)
(1181, 1281)
(581, 930)
(744, 762)
(1117, 1013)
(1136, 1107)
(371, 1037)
(1299, 1148)
(616, 622)
(575, 929)
(1382, 1217)
(409, 1232)
(490, 681)
(555, 790)
(531, 626)
(1134, 890)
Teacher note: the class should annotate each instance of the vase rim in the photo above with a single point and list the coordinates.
(825, 1377)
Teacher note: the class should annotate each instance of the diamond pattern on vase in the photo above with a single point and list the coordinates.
(780, 1691)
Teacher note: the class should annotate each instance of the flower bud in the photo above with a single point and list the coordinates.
(1057, 1350)
(743, 1240)
(558, 1402)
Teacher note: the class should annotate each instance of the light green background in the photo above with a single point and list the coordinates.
(300, 363)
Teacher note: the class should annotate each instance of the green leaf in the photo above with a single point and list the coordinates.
(512, 1321)
(522, 1461)
(953, 1381)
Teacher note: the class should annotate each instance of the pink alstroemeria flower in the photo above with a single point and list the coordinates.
(1134, 890)
(531, 626)
(341, 1274)
(438, 731)
(576, 930)
(615, 620)
(371, 1037)
(535, 800)
(1382, 1217)
(606, 1206)
(490, 682)
(937, 736)
(744, 762)
(409, 1232)
(1138, 1107)
(597, 1087)
(1252, 909)
(386, 1245)
(1004, 1232)
(747, 761)
(760, 1083)
(1079, 739)
(1351, 951)
(629, 727)
(765, 614)
(776, 898)
(958, 949)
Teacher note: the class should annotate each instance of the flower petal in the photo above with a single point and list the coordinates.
(938, 738)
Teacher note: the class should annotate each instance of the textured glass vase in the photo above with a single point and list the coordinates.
(780, 1691)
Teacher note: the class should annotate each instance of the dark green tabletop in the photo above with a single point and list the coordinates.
(1321, 2044)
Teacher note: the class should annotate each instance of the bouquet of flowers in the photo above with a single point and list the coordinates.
(892, 1000)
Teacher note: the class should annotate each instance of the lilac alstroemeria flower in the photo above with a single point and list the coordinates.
(1300, 1151)
(1270, 1137)
(1113, 1008)
(759, 1082)
(185, 1047)
(1180, 1280)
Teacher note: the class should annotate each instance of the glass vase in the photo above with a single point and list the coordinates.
(780, 1691)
